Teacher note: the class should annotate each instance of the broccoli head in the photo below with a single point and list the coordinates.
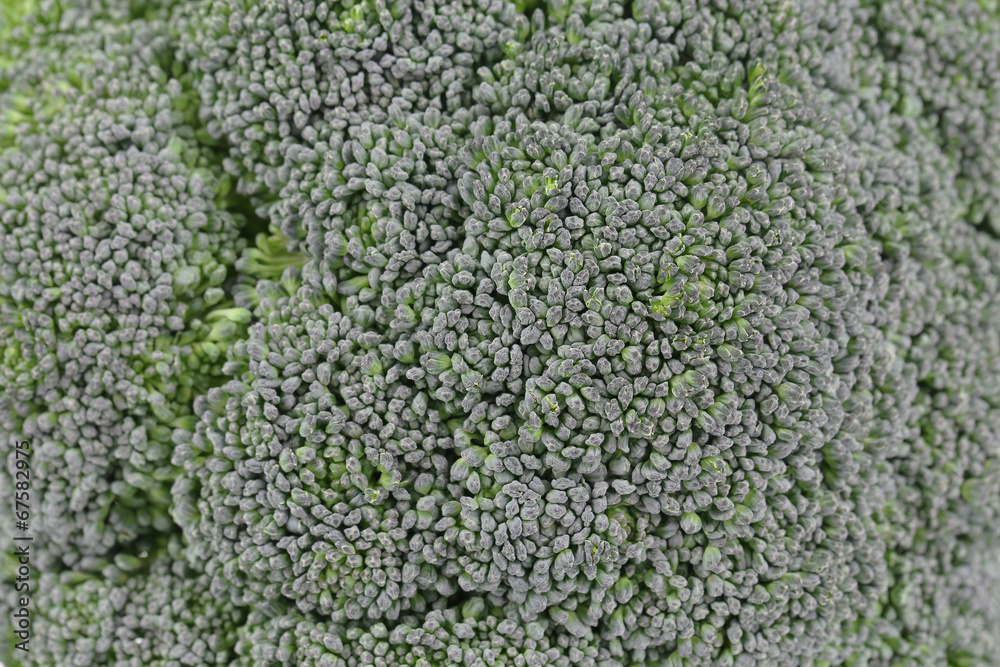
(562, 333)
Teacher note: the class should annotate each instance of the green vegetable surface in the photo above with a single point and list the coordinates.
(481, 333)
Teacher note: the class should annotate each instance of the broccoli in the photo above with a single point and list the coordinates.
(150, 608)
(561, 332)
(117, 245)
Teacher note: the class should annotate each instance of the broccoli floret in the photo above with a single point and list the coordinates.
(280, 77)
(116, 247)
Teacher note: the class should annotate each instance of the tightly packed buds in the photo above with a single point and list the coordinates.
(552, 332)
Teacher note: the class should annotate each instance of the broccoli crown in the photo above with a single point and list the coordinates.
(489, 333)
(116, 244)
